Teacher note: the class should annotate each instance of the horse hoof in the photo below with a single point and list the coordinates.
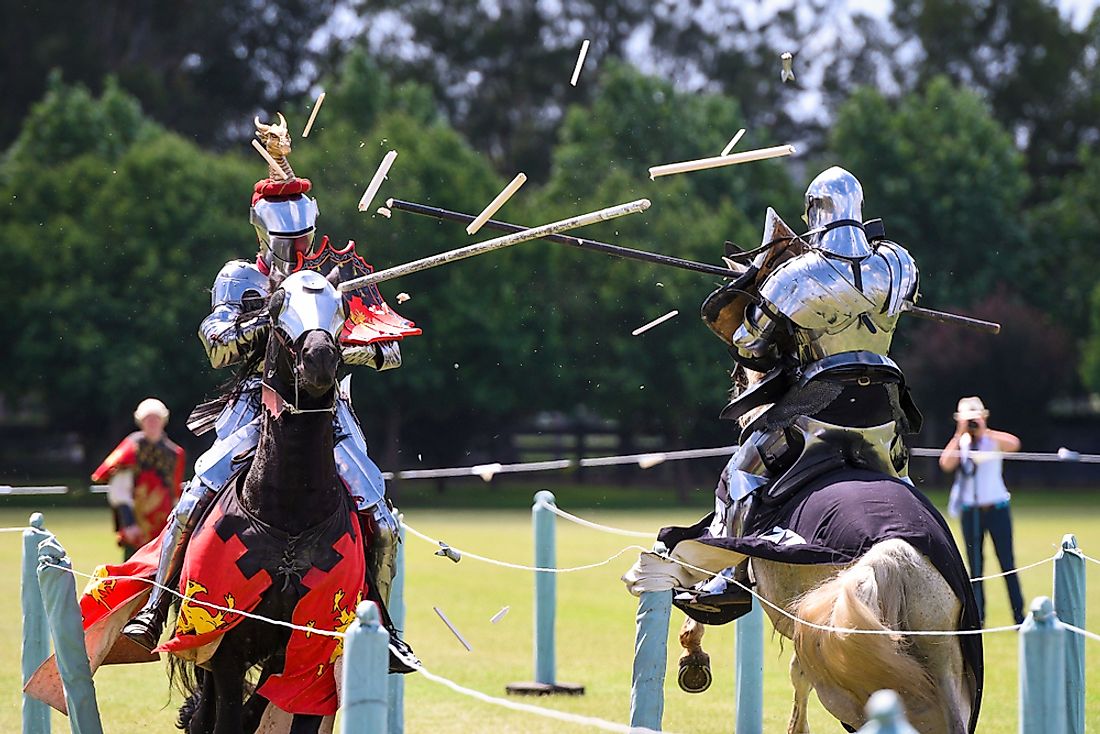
(694, 675)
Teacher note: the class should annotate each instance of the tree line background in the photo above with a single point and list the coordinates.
(126, 176)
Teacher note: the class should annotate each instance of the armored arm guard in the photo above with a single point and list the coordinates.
(227, 337)
(380, 355)
(753, 341)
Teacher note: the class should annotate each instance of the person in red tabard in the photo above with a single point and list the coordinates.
(143, 475)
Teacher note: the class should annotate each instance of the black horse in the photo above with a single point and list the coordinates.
(291, 491)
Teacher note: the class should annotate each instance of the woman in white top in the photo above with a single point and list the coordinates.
(975, 453)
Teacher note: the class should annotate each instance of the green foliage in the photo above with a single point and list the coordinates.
(1038, 73)
(669, 377)
(1068, 227)
(1090, 349)
(111, 254)
(69, 122)
(200, 67)
(948, 182)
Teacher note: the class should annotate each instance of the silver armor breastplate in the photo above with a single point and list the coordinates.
(837, 305)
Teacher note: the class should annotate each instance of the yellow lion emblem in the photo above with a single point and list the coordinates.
(198, 619)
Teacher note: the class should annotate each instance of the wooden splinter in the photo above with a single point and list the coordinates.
(494, 205)
(580, 63)
(269, 158)
(722, 160)
(313, 115)
(733, 142)
(376, 182)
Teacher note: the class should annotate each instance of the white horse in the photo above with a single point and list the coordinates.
(892, 588)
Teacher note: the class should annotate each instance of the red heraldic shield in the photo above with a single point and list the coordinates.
(234, 559)
(370, 318)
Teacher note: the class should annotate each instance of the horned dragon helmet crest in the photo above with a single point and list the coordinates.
(285, 218)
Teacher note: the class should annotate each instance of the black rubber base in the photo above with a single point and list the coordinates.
(544, 689)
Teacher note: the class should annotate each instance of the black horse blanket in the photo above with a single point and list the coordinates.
(835, 519)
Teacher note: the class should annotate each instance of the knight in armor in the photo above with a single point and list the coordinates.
(809, 324)
(235, 335)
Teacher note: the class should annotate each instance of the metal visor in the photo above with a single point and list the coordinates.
(287, 249)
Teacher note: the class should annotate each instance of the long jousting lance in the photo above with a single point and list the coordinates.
(584, 244)
(497, 243)
(628, 253)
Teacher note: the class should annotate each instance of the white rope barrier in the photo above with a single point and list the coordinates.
(7, 489)
(1083, 632)
(595, 525)
(522, 707)
(517, 566)
(1065, 456)
(1014, 570)
(207, 604)
(590, 721)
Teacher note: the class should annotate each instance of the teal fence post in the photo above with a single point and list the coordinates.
(36, 638)
(366, 665)
(886, 715)
(1069, 605)
(546, 588)
(546, 603)
(647, 681)
(749, 669)
(397, 616)
(59, 599)
(1042, 671)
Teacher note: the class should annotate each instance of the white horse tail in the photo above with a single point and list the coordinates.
(869, 595)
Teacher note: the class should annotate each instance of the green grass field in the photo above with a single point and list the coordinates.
(595, 623)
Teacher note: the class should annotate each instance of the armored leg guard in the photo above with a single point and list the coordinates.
(381, 556)
(382, 552)
(146, 626)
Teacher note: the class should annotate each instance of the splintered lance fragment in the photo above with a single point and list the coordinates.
(376, 182)
(384, 212)
(787, 74)
(580, 63)
(499, 615)
(454, 631)
(446, 551)
(267, 157)
(402, 297)
(655, 322)
(500, 200)
(722, 160)
(313, 115)
(733, 142)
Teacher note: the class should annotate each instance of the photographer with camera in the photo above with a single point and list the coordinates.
(975, 453)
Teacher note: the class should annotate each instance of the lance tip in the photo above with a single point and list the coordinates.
(389, 203)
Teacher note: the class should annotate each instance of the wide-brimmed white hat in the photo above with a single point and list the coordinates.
(148, 407)
(970, 409)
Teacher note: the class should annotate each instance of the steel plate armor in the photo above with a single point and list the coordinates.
(820, 325)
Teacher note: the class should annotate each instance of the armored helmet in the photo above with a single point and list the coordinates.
(834, 212)
(285, 227)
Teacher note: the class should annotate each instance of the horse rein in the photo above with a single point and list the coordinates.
(293, 408)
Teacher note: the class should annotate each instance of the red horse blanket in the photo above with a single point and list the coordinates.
(232, 560)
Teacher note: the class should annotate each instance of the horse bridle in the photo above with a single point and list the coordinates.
(296, 368)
